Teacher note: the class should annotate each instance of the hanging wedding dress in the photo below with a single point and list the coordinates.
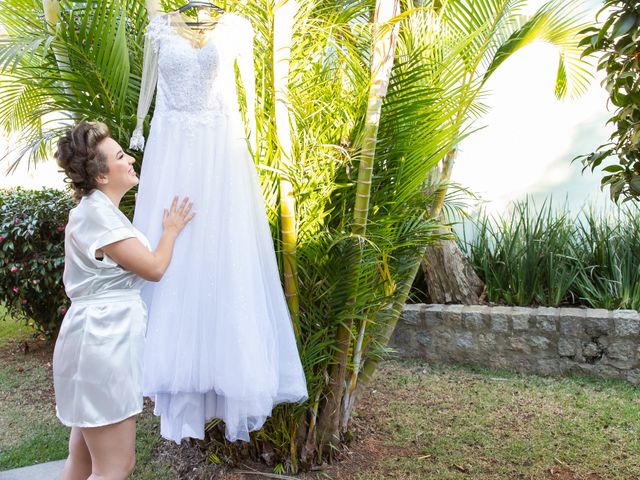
(220, 343)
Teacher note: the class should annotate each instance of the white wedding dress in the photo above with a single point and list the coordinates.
(220, 343)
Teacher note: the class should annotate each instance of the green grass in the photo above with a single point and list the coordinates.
(148, 440)
(30, 433)
(415, 422)
(29, 430)
(460, 423)
(11, 330)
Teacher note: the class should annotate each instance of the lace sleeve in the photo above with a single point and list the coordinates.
(154, 8)
(147, 85)
(247, 73)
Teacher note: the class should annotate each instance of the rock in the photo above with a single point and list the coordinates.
(626, 323)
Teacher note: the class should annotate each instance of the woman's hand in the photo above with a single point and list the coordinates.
(177, 217)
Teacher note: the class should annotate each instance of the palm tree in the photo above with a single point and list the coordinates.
(372, 100)
(383, 49)
(448, 275)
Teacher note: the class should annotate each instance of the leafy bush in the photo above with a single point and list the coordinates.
(609, 249)
(32, 255)
(526, 258)
(548, 257)
(617, 40)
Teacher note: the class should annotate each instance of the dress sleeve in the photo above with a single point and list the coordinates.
(154, 8)
(147, 85)
(247, 74)
(103, 228)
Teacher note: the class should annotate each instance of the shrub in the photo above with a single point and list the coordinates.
(527, 257)
(616, 40)
(549, 257)
(32, 256)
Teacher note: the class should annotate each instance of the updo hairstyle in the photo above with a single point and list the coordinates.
(78, 155)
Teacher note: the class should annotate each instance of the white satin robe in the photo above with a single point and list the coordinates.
(97, 361)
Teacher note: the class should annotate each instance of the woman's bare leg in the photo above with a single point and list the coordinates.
(113, 449)
(78, 464)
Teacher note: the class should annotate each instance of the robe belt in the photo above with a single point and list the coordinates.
(122, 295)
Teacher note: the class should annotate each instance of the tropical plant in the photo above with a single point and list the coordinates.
(617, 39)
(526, 257)
(374, 99)
(608, 247)
(544, 256)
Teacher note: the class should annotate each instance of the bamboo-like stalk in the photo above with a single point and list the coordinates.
(52, 16)
(51, 12)
(350, 388)
(154, 8)
(404, 288)
(350, 393)
(382, 61)
(309, 447)
(284, 13)
(384, 42)
(445, 176)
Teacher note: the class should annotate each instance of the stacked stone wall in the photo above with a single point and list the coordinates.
(549, 341)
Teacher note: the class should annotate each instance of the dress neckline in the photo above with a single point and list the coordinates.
(182, 24)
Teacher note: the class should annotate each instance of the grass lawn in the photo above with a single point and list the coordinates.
(30, 433)
(459, 423)
(415, 422)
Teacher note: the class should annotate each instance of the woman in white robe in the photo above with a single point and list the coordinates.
(97, 359)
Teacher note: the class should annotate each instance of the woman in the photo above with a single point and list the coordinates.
(97, 357)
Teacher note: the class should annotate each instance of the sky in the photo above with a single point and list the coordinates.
(529, 138)
(524, 149)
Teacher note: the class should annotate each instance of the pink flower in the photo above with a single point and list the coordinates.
(23, 301)
(13, 269)
(60, 228)
(1, 239)
(16, 220)
(16, 290)
(63, 311)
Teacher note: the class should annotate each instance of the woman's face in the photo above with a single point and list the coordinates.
(121, 175)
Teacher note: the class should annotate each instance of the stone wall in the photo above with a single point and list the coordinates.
(549, 341)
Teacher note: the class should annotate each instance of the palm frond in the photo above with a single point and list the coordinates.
(557, 22)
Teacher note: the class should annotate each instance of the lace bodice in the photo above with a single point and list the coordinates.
(196, 83)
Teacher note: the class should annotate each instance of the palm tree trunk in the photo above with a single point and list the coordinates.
(284, 13)
(382, 62)
(51, 11)
(449, 276)
(389, 317)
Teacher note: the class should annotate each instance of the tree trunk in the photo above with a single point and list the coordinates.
(384, 42)
(449, 276)
(447, 272)
(52, 16)
(284, 13)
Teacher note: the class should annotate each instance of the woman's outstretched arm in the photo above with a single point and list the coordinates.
(132, 255)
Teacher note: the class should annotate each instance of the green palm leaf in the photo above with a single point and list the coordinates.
(558, 22)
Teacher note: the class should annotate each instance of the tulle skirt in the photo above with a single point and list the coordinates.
(220, 343)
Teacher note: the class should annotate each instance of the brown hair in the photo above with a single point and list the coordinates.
(78, 155)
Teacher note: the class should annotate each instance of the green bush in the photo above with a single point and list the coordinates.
(32, 255)
(526, 257)
(616, 39)
(549, 257)
(609, 249)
